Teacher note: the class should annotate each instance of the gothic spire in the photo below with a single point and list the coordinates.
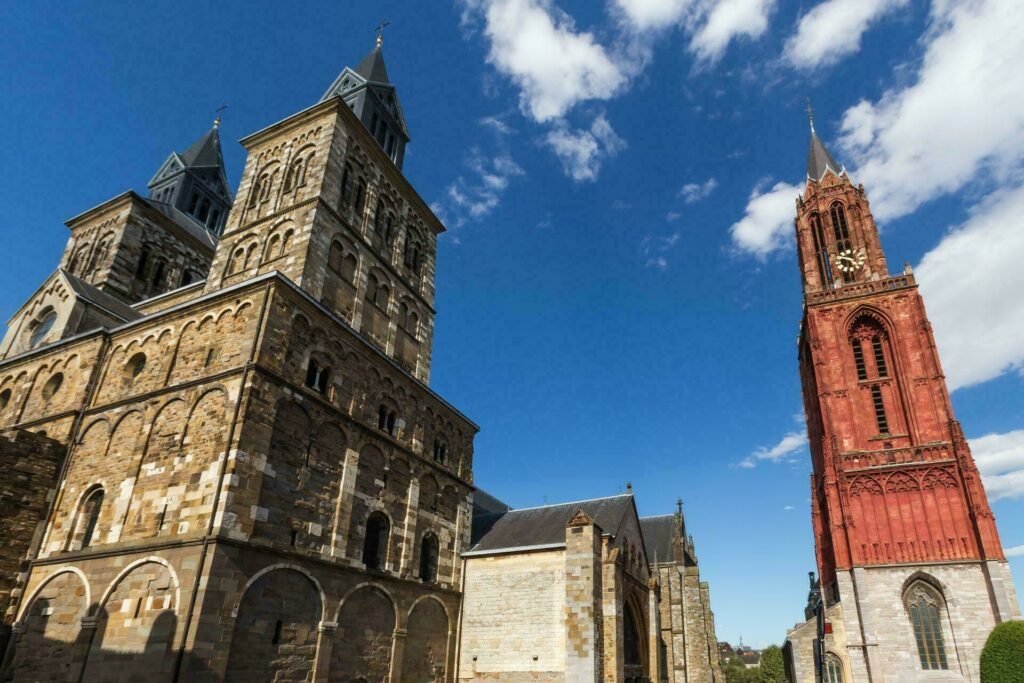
(818, 158)
(372, 67)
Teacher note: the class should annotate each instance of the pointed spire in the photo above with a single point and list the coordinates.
(818, 158)
(372, 67)
(206, 150)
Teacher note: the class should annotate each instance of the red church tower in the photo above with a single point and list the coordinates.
(908, 554)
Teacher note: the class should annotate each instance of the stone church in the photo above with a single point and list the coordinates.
(222, 459)
(911, 574)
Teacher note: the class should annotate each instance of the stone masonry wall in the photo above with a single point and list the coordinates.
(513, 620)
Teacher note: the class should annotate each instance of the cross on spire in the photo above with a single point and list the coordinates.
(810, 113)
(216, 121)
(384, 23)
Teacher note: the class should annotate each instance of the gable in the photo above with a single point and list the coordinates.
(170, 168)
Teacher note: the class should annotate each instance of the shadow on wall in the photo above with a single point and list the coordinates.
(54, 645)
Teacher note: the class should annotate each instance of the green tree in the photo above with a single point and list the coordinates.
(772, 669)
(1002, 659)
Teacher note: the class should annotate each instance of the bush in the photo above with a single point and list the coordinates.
(1002, 660)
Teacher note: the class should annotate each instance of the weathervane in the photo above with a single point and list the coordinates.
(216, 121)
(810, 113)
(380, 31)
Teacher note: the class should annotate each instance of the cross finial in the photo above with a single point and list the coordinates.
(384, 23)
(810, 114)
(216, 121)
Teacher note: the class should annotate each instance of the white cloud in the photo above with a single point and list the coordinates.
(768, 222)
(654, 248)
(726, 20)
(475, 195)
(787, 507)
(1015, 551)
(962, 117)
(554, 65)
(970, 282)
(833, 30)
(653, 14)
(1000, 459)
(583, 151)
(694, 192)
(789, 444)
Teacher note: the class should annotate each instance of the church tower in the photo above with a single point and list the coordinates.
(913, 576)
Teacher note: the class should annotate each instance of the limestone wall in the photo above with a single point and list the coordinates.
(513, 621)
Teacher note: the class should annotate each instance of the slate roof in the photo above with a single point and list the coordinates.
(205, 151)
(99, 298)
(486, 504)
(372, 67)
(658, 533)
(544, 525)
(186, 222)
(819, 160)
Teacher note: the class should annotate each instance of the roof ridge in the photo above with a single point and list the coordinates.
(572, 502)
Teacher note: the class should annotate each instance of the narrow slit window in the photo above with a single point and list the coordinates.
(858, 359)
(876, 345)
(879, 404)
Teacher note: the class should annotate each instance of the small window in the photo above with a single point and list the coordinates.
(214, 219)
(375, 544)
(140, 268)
(187, 277)
(346, 185)
(85, 533)
(42, 328)
(428, 558)
(193, 202)
(204, 211)
(360, 200)
(276, 638)
(52, 386)
(5, 398)
(211, 356)
(386, 420)
(158, 275)
(136, 364)
(440, 452)
(317, 377)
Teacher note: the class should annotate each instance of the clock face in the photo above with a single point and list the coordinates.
(850, 261)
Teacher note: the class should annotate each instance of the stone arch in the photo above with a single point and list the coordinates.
(136, 624)
(634, 641)
(157, 470)
(275, 628)
(426, 646)
(362, 644)
(52, 619)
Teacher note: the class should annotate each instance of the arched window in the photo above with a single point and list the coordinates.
(237, 261)
(52, 386)
(428, 558)
(342, 261)
(41, 327)
(317, 376)
(377, 292)
(347, 185)
(140, 268)
(360, 198)
(833, 669)
(100, 255)
(631, 637)
(85, 533)
(135, 365)
(839, 227)
(5, 398)
(375, 544)
(440, 451)
(869, 341)
(925, 608)
(386, 419)
(158, 275)
(821, 250)
(273, 248)
(187, 277)
(380, 219)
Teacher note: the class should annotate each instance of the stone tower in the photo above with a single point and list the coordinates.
(255, 480)
(912, 573)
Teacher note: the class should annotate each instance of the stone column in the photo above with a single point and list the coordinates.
(80, 652)
(582, 600)
(654, 629)
(397, 651)
(343, 508)
(324, 642)
(409, 530)
(858, 631)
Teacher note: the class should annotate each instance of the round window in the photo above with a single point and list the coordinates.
(136, 364)
(52, 386)
(42, 328)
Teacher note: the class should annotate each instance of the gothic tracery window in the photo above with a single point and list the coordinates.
(41, 327)
(868, 340)
(925, 608)
(833, 672)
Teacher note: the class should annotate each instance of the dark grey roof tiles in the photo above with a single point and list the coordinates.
(486, 504)
(819, 160)
(205, 151)
(100, 298)
(544, 525)
(659, 532)
(372, 67)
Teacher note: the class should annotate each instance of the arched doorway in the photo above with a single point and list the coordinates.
(362, 643)
(634, 643)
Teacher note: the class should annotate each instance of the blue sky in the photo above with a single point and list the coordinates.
(618, 298)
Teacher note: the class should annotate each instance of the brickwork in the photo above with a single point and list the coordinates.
(582, 600)
(895, 491)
